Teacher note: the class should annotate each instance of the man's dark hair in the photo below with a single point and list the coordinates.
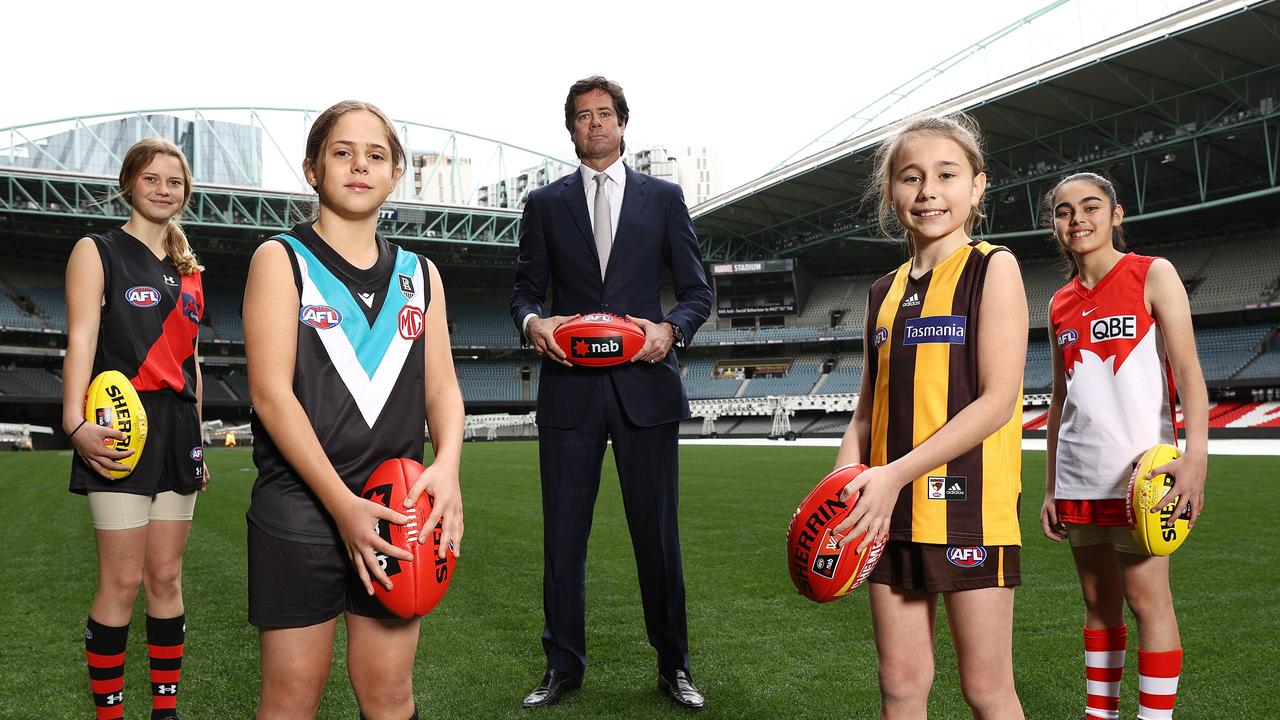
(596, 82)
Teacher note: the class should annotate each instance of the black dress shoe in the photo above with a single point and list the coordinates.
(554, 686)
(679, 687)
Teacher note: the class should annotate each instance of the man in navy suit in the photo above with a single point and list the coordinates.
(601, 240)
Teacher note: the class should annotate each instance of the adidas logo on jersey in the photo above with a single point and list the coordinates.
(952, 488)
(912, 301)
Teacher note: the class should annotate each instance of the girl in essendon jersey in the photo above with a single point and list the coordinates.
(939, 420)
(348, 351)
(1122, 327)
(134, 302)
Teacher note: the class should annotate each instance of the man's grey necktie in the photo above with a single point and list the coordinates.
(603, 223)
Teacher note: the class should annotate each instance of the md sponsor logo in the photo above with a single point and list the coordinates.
(1067, 338)
(882, 337)
(320, 317)
(143, 296)
(967, 557)
(410, 322)
(935, 329)
(1115, 327)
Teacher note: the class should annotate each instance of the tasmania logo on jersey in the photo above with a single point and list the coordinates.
(410, 322)
(320, 317)
(935, 329)
(1115, 327)
(967, 557)
(1067, 338)
(143, 296)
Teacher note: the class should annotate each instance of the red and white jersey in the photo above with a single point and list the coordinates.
(1119, 384)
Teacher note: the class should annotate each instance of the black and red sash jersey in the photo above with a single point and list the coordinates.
(150, 317)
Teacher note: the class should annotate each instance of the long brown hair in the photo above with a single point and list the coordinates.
(1068, 261)
(960, 128)
(136, 160)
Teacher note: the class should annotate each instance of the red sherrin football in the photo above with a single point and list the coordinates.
(599, 340)
(820, 570)
(416, 586)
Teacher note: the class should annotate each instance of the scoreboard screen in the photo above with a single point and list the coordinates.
(760, 287)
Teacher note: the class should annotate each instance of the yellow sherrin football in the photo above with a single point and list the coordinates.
(112, 402)
(1148, 528)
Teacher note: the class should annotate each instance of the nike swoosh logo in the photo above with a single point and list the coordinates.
(1085, 313)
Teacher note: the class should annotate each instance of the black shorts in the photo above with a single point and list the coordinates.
(947, 568)
(172, 458)
(293, 584)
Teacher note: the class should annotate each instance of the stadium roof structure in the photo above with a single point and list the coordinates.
(1183, 111)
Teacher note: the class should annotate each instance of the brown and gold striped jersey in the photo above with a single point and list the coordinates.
(923, 370)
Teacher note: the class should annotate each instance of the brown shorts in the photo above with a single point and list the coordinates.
(947, 568)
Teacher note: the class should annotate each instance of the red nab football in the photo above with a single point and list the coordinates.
(599, 340)
(418, 585)
(820, 569)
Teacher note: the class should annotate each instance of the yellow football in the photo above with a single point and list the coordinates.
(1148, 528)
(112, 402)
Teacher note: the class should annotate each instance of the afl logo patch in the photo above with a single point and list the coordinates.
(197, 453)
(967, 557)
(1067, 338)
(320, 317)
(410, 322)
(882, 336)
(597, 318)
(143, 296)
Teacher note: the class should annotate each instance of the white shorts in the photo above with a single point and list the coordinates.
(1118, 537)
(122, 511)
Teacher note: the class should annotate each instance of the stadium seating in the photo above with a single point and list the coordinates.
(1266, 365)
(846, 377)
(699, 383)
(491, 380)
(1038, 374)
(222, 316)
(1225, 351)
(479, 323)
(799, 380)
(29, 382)
(13, 317)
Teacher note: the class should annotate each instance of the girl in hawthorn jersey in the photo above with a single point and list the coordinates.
(340, 383)
(939, 420)
(1121, 324)
(134, 302)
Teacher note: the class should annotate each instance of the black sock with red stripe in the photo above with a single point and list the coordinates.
(164, 647)
(104, 653)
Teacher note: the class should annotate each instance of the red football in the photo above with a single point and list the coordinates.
(416, 586)
(599, 340)
(820, 570)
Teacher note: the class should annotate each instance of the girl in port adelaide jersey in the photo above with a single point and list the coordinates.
(939, 420)
(348, 351)
(134, 303)
(1124, 355)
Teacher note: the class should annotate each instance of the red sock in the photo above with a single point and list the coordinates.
(1103, 668)
(164, 646)
(1158, 674)
(104, 653)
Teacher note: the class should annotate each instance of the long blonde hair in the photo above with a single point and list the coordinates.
(959, 128)
(136, 160)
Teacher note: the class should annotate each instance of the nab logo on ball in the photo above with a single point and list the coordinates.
(143, 296)
(967, 557)
(596, 347)
(1116, 327)
(410, 322)
(320, 317)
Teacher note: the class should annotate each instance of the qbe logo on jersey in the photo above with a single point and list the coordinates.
(320, 317)
(935, 329)
(609, 346)
(967, 557)
(143, 296)
(410, 322)
(1116, 327)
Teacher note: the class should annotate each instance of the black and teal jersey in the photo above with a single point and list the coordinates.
(358, 374)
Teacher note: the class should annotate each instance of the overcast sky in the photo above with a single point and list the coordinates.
(759, 84)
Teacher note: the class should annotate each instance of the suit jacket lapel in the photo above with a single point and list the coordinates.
(633, 198)
(576, 199)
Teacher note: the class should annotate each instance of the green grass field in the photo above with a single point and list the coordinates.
(759, 650)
